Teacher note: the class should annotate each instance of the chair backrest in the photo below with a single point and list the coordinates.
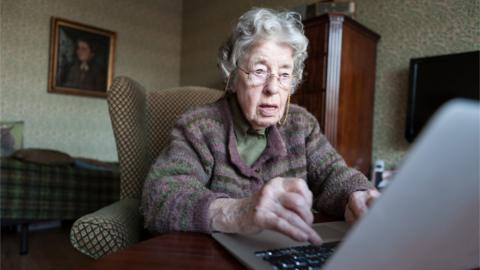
(142, 121)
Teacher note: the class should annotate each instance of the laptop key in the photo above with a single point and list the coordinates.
(301, 257)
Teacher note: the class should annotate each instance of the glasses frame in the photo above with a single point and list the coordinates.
(269, 75)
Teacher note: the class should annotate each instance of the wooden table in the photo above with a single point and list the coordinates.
(177, 250)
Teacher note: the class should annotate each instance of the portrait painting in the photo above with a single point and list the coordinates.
(81, 58)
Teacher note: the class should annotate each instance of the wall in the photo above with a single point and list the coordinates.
(407, 28)
(148, 49)
(411, 29)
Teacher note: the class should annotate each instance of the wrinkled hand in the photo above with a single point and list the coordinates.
(358, 204)
(282, 205)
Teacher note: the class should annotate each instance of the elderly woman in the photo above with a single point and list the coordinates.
(252, 161)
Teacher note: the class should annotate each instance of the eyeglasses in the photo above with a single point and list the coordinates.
(260, 77)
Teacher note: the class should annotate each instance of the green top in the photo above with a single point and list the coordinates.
(250, 142)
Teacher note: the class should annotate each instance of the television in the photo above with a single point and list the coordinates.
(435, 80)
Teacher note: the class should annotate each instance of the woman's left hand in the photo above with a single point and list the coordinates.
(358, 204)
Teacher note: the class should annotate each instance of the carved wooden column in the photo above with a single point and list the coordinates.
(333, 77)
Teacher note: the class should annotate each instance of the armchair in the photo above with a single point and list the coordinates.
(141, 122)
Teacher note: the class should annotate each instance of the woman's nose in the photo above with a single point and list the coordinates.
(272, 84)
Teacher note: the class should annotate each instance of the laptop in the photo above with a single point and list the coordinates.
(427, 218)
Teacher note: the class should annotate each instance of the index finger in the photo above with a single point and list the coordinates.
(297, 203)
(357, 204)
(298, 185)
(372, 195)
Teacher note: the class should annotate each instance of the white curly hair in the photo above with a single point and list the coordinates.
(262, 24)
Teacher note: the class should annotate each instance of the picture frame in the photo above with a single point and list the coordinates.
(81, 58)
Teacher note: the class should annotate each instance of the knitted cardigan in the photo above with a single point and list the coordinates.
(201, 163)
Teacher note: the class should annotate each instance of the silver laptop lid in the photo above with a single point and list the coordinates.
(428, 218)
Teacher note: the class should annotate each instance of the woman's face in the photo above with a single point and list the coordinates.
(264, 104)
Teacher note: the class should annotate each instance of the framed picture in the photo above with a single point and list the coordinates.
(81, 59)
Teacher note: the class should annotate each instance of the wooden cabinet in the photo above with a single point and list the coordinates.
(339, 82)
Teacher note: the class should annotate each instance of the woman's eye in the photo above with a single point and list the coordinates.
(285, 75)
(260, 72)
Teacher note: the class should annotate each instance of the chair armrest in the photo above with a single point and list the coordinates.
(109, 229)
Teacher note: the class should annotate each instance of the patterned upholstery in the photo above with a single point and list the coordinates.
(141, 122)
(127, 106)
(107, 230)
(31, 191)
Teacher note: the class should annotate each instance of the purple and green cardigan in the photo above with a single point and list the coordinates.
(201, 163)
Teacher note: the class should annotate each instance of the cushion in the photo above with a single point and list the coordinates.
(43, 156)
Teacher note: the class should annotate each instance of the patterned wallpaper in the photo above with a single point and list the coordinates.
(408, 29)
(148, 49)
(411, 29)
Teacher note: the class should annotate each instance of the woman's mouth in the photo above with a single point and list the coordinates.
(267, 110)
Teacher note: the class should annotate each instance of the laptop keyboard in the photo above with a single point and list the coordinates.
(301, 257)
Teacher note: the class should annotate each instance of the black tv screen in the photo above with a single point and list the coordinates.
(436, 80)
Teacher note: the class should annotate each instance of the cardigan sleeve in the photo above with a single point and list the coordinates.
(176, 195)
(329, 178)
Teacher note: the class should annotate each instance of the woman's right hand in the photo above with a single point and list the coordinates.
(282, 205)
